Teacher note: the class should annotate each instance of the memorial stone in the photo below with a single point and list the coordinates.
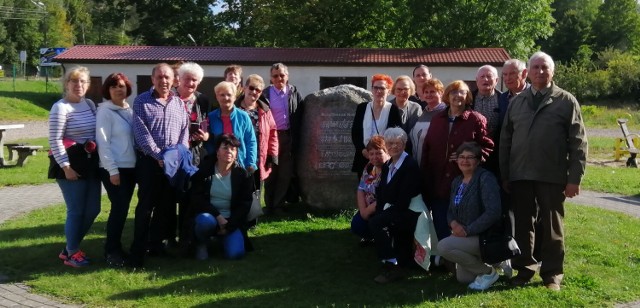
(326, 151)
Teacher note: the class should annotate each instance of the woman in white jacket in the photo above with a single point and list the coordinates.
(114, 134)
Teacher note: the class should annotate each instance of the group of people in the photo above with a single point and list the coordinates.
(468, 158)
(464, 157)
(197, 165)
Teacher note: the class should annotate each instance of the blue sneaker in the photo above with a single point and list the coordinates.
(77, 259)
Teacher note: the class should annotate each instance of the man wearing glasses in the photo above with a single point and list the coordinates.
(286, 107)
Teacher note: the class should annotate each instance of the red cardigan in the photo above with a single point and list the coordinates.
(438, 171)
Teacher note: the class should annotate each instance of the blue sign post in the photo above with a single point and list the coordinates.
(46, 60)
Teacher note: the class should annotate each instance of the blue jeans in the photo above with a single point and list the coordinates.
(360, 227)
(83, 206)
(207, 226)
(120, 197)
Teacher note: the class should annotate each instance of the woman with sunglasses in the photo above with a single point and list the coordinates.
(257, 107)
(372, 119)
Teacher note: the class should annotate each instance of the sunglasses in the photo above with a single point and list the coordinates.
(252, 88)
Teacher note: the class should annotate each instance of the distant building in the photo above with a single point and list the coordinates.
(310, 69)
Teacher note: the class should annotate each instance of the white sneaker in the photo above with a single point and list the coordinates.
(506, 268)
(201, 252)
(483, 282)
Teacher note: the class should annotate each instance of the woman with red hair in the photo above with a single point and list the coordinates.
(373, 118)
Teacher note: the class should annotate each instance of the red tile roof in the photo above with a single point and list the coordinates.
(291, 56)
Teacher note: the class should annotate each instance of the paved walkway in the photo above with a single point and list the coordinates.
(15, 204)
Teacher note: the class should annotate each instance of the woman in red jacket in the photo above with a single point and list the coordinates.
(448, 130)
(257, 106)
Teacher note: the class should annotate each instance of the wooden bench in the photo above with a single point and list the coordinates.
(23, 151)
(630, 141)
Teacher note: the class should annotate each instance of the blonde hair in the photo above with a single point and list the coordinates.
(226, 84)
(75, 73)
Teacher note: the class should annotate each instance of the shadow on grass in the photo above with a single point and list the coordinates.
(323, 267)
(42, 100)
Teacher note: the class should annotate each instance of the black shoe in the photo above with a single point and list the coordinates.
(158, 252)
(390, 273)
(115, 259)
(365, 242)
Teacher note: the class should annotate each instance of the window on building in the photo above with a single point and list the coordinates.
(95, 90)
(328, 82)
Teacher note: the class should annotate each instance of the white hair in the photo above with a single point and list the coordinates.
(493, 70)
(542, 55)
(520, 65)
(393, 133)
(191, 68)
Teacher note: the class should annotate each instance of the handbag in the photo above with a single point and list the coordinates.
(256, 207)
(497, 245)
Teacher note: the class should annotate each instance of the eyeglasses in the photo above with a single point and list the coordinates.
(278, 75)
(469, 157)
(456, 92)
(403, 89)
(79, 81)
(252, 88)
(378, 88)
(394, 144)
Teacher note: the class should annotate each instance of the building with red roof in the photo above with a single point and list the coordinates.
(310, 69)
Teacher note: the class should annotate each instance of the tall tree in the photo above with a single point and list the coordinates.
(571, 28)
(617, 25)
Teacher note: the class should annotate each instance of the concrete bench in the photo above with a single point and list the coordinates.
(13, 154)
(23, 152)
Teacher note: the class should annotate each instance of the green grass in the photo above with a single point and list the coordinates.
(605, 117)
(34, 172)
(309, 259)
(612, 180)
(29, 101)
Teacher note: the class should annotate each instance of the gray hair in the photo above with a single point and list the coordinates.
(470, 146)
(279, 66)
(191, 68)
(542, 55)
(393, 133)
(520, 65)
(490, 68)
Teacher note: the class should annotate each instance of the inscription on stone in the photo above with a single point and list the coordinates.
(326, 151)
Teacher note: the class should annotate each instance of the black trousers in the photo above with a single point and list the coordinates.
(393, 234)
(155, 199)
(538, 205)
(120, 197)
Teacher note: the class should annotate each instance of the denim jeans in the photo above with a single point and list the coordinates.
(206, 226)
(120, 197)
(82, 198)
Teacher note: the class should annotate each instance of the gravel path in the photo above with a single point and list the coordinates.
(32, 129)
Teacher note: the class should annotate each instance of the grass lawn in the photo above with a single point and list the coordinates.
(34, 171)
(605, 117)
(29, 101)
(309, 259)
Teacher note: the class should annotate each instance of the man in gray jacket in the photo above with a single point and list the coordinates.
(543, 150)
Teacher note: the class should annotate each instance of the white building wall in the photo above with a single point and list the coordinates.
(305, 78)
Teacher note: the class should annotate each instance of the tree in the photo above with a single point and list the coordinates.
(571, 28)
(617, 25)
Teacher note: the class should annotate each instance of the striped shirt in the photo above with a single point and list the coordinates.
(75, 121)
(157, 126)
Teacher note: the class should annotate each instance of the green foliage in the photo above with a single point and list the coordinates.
(617, 26)
(309, 259)
(615, 74)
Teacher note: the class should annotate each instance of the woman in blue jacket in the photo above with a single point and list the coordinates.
(230, 120)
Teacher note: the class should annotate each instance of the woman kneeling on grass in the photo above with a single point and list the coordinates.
(222, 196)
(474, 208)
